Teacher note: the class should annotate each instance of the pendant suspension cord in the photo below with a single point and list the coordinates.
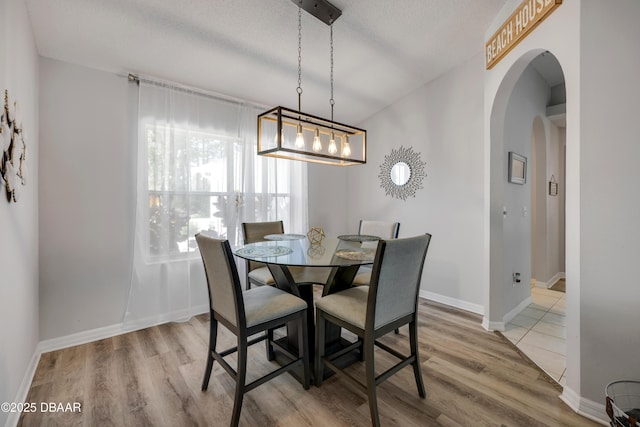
(299, 88)
(331, 101)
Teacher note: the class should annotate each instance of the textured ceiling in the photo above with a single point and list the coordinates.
(248, 48)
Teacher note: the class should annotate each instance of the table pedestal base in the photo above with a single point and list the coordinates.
(339, 279)
(341, 362)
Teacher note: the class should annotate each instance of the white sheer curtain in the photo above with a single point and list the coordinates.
(197, 169)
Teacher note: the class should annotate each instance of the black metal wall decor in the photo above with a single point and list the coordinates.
(14, 150)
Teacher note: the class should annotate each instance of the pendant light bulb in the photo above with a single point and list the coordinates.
(299, 137)
(346, 148)
(332, 145)
(317, 144)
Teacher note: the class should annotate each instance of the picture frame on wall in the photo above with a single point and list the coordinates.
(517, 168)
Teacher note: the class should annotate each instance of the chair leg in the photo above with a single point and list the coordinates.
(361, 350)
(303, 345)
(213, 337)
(413, 342)
(371, 381)
(319, 350)
(270, 353)
(240, 380)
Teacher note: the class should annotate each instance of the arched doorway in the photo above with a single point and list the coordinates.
(526, 241)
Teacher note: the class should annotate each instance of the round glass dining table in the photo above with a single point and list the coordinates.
(295, 249)
(342, 256)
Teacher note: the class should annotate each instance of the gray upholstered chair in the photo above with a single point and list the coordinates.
(383, 229)
(259, 274)
(370, 312)
(386, 230)
(246, 314)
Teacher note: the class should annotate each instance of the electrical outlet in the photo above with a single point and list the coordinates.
(516, 278)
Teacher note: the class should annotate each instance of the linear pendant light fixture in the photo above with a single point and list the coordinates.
(292, 134)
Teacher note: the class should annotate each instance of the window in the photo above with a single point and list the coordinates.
(188, 187)
(195, 182)
(198, 169)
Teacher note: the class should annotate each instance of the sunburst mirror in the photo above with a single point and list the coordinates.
(401, 173)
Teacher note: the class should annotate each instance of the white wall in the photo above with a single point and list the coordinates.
(87, 198)
(610, 207)
(443, 122)
(19, 221)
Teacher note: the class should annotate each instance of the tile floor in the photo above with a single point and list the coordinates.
(539, 331)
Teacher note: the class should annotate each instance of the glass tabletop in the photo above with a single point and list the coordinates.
(332, 252)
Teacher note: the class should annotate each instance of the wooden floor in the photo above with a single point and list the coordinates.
(152, 377)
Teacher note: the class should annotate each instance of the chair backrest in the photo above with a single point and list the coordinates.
(225, 292)
(255, 231)
(382, 229)
(395, 279)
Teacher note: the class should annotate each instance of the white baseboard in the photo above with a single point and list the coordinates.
(585, 407)
(490, 325)
(25, 385)
(516, 310)
(79, 338)
(453, 302)
(175, 316)
(85, 337)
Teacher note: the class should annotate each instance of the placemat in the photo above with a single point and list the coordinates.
(361, 255)
(358, 238)
(284, 236)
(263, 251)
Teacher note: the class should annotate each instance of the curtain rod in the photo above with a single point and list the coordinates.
(193, 91)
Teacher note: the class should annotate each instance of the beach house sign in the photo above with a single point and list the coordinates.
(522, 21)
